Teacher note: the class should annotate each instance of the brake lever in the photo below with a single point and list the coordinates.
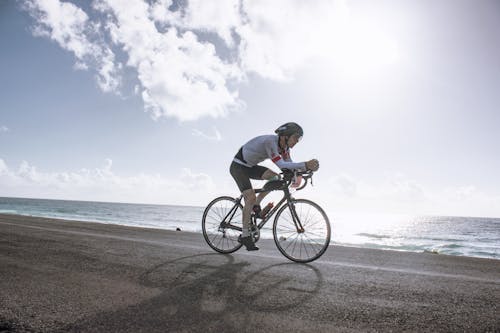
(310, 177)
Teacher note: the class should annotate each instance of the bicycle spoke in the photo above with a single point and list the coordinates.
(305, 246)
(293, 232)
(291, 228)
(219, 236)
(293, 242)
(215, 235)
(315, 223)
(314, 234)
(215, 218)
(308, 243)
(311, 242)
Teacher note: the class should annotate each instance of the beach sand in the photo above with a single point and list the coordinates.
(70, 276)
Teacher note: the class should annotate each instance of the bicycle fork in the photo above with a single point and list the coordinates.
(295, 218)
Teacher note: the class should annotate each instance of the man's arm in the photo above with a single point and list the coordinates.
(282, 164)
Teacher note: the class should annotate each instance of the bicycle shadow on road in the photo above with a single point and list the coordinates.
(211, 292)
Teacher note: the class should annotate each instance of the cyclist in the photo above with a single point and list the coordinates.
(245, 166)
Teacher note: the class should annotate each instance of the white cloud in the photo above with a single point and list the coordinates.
(4, 129)
(3, 167)
(397, 194)
(344, 185)
(190, 56)
(220, 17)
(215, 137)
(279, 37)
(400, 194)
(70, 27)
(103, 184)
(405, 189)
(196, 181)
(396, 188)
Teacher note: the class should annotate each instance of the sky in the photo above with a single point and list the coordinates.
(148, 101)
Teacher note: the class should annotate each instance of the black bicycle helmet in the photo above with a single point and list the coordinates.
(289, 129)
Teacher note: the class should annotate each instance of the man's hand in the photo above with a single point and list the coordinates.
(312, 165)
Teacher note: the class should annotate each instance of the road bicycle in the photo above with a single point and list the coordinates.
(301, 229)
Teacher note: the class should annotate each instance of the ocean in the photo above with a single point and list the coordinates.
(463, 236)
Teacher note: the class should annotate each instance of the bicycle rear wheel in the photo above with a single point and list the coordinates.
(222, 224)
(306, 244)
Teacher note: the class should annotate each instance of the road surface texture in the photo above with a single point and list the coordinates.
(68, 276)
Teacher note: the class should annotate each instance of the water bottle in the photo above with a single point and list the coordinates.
(266, 210)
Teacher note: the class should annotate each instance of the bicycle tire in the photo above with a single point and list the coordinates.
(304, 246)
(220, 238)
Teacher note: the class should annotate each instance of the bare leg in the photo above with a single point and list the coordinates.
(266, 176)
(249, 196)
(246, 239)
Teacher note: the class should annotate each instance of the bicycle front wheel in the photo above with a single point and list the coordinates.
(222, 224)
(302, 231)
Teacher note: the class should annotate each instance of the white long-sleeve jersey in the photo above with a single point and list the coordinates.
(266, 147)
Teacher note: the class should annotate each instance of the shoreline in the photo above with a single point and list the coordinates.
(93, 225)
(356, 246)
(66, 276)
(202, 207)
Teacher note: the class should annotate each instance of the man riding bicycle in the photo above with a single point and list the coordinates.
(245, 167)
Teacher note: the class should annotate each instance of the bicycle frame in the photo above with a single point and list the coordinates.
(286, 197)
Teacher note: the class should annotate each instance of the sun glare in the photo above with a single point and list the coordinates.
(360, 49)
(360, 59)
(363, 49)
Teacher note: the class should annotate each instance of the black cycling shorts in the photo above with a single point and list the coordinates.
(242, 174)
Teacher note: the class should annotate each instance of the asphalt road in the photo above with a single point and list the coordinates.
(59, 276)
